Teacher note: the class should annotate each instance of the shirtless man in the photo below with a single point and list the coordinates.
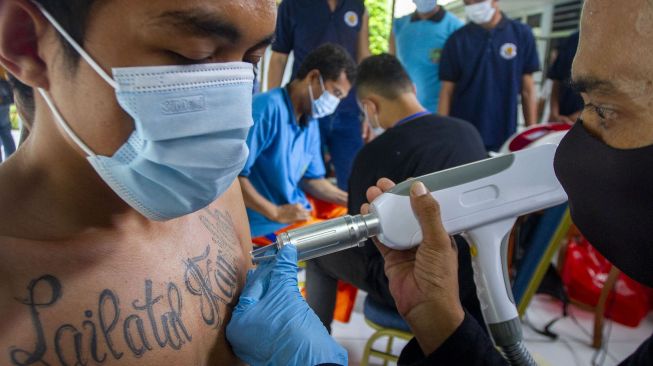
(85, 277)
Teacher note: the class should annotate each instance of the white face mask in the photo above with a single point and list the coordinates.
(480, 13)
(425, 6)
(189, 142)
(325, 105)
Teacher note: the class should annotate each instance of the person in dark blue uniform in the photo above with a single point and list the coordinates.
(603, 164)
(6, 100)
(566, 103)
(485, 66)
(304, 25)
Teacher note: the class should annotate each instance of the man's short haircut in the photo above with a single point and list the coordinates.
(383, 75)
(331, 60)
(72, 15)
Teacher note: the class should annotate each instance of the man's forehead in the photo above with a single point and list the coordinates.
(613, 44)
(602, 18)
(240, 15)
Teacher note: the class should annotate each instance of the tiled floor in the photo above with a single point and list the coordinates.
(573, 347)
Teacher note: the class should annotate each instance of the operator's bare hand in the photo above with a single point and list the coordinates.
(424, 280)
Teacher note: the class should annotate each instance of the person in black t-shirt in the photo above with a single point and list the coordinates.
(415, 143)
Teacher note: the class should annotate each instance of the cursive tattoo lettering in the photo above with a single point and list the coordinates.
(116, 329)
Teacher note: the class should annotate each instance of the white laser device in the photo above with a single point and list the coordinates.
(480, 200)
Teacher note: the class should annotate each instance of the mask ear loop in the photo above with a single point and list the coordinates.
(368, 119)
(310, 93)
(76, 46)
(61, 122)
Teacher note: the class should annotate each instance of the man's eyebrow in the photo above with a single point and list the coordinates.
(590, 84)
(200, 22)
(264, 42)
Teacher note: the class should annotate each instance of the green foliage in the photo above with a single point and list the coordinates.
(380, 14)
(13, 116)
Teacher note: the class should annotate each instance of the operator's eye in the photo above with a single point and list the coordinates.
(604, 114)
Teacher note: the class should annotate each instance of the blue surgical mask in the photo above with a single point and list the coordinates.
(325, 105)
(189, 141)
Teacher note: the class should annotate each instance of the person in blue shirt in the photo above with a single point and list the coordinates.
(485, 66)
(417, 40)
(566, 103)
(285, 160)
(304, 25)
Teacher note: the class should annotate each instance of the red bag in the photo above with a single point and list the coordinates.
(584, 273)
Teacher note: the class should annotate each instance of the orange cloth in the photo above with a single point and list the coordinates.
(322, 211)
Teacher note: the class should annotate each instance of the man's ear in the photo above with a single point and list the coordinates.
(22, 29)
(373, 104)
(313, 75)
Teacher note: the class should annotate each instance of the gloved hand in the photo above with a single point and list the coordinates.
(272, 323)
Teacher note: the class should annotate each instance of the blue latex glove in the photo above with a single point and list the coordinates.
(272, 323)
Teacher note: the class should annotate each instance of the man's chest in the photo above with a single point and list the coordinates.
(168, 298)
(315, 21)
(491, 52)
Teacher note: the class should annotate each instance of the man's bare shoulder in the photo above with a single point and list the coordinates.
(125, 300)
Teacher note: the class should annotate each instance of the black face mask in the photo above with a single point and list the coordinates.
(611, 199)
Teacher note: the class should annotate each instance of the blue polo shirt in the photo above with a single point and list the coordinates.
(281, 153)
(487, 67)
(304, 25)
(419, 45)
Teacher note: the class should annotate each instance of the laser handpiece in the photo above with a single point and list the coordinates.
(324, 238)
(482, 201)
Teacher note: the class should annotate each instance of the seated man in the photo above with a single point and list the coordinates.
(123, 233)
(416, 143)
(285, 162)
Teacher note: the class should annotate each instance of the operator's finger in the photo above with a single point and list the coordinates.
(365, 209)
(372, 193)
(382, 248)
(385, 184)
(285, 267)
(256, 286)
(427, 211)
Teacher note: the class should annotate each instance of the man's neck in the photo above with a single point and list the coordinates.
(424, 16)
(53, 196)
(296, 98)
(403, 107)
(333, 4)
(496, 19)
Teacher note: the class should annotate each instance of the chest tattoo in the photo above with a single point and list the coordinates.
(118, 328)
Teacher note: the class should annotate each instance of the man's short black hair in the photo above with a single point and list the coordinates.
(72, 15)
(331, 60)
(383, 75)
